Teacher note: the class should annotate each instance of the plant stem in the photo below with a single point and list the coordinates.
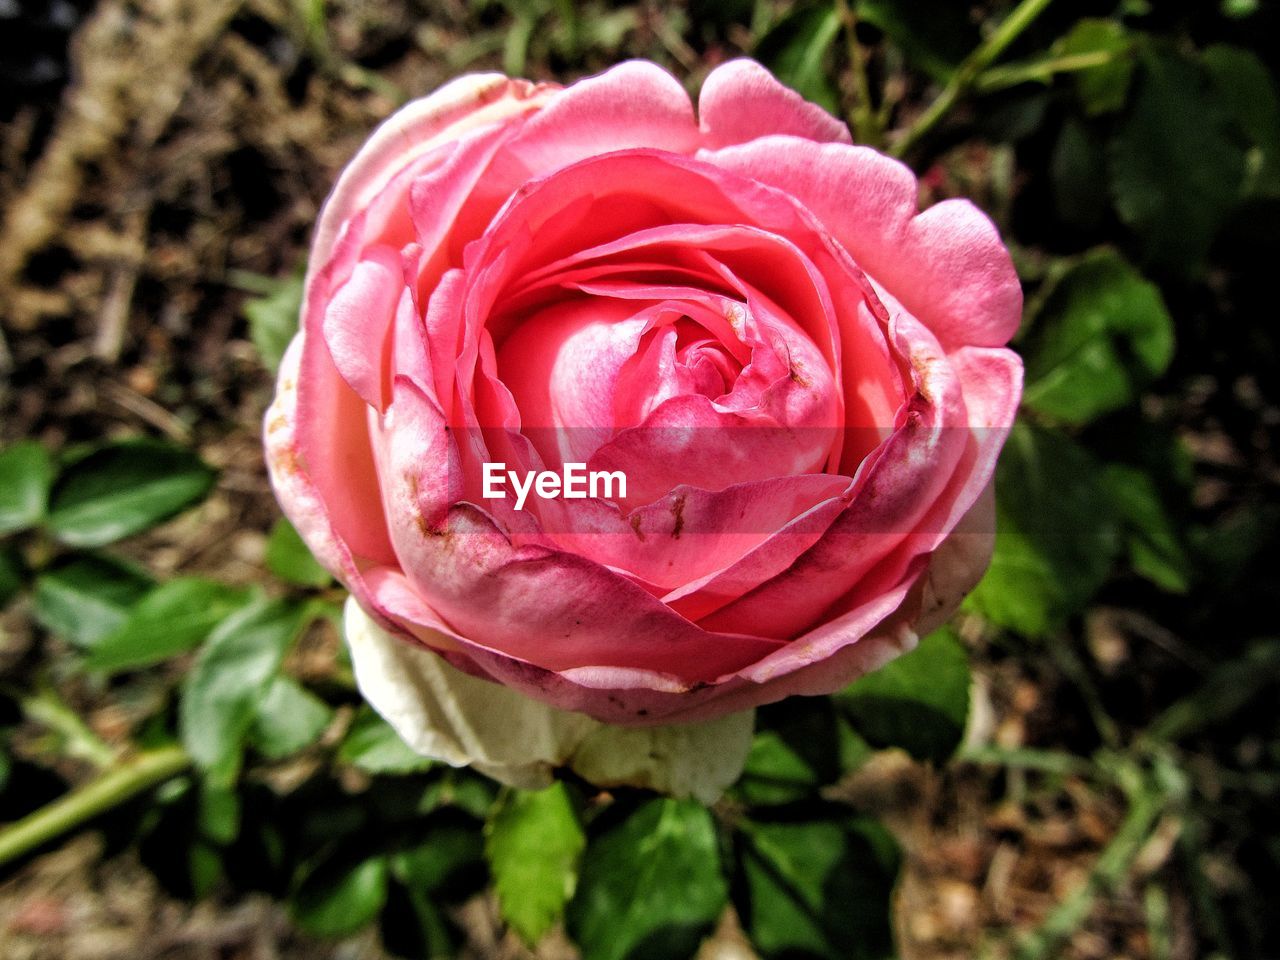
(1147, 803)
(967, 73)
(1042, 71)
(107, 790)
(866, 124)
(46, 707)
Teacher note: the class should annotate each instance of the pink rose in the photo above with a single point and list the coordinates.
(803, 380)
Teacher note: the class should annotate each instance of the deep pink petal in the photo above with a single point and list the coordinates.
(554, 609)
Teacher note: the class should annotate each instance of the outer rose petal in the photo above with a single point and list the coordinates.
(414, 130)
(443, 713)
(959, 563)
(741, 101)
(635, 104)
(946, 265)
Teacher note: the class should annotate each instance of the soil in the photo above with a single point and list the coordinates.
(193, 145)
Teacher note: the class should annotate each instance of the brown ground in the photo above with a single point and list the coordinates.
(198, 140)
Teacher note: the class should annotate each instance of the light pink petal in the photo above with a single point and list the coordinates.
(553, 609)
(741, 101)
(413, 131)
(946, 265)
(631, 696)
(689, 536)
(452, 202)
(635, 104)
(561, 365)
(333, 443)
(958, 563)
(357, 323)
(298, 496)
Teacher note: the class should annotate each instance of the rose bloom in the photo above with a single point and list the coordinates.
(803, 378)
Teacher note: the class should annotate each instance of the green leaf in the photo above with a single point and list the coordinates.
(412, 926)
(173, 618)
(1240, 9)
(817, 889)
(123, 489)
(935, 35)
(273, 317)
(204, 868)
(533, 843)
(447, 861)
(11, 574)
(1244, 86)
(918, 702)
(26, 475)
(651, 886)
(1078, 169)
(798, 748)
(339, 899)
(289, 718)
(1101, 337)
(798, 51)
(1104, 88)
(460, 788)
(374, 746)
(1176, 169)
(1155, 549)
(1057, 534)
(231, 676)
(83, 599)
(290, 559)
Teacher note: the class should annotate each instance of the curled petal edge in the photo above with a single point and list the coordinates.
(447, 715)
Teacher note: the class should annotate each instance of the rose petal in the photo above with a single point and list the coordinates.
(357, 323)
(635, 104)
(445, 714)
(413, 131)
(741, 100)
(945, 265)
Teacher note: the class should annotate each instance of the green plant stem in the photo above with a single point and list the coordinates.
(109, 789)
(1146, 804)
(866, 123)
(968, 72)
(1053, 762)
(47, 709)
(1042, 71)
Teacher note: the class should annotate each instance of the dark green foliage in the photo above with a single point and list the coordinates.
(651, 884)
(123, 489)
(1057, 533)
(918, 702)
(818, 887)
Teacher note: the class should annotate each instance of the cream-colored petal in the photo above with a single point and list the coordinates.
(446, 714)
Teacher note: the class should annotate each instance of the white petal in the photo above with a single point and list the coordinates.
(448, 715)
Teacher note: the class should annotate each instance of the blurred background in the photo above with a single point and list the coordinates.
(1114, 790)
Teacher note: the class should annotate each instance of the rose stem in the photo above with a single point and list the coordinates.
(967, 73)
(866, 125)
(103, 792)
